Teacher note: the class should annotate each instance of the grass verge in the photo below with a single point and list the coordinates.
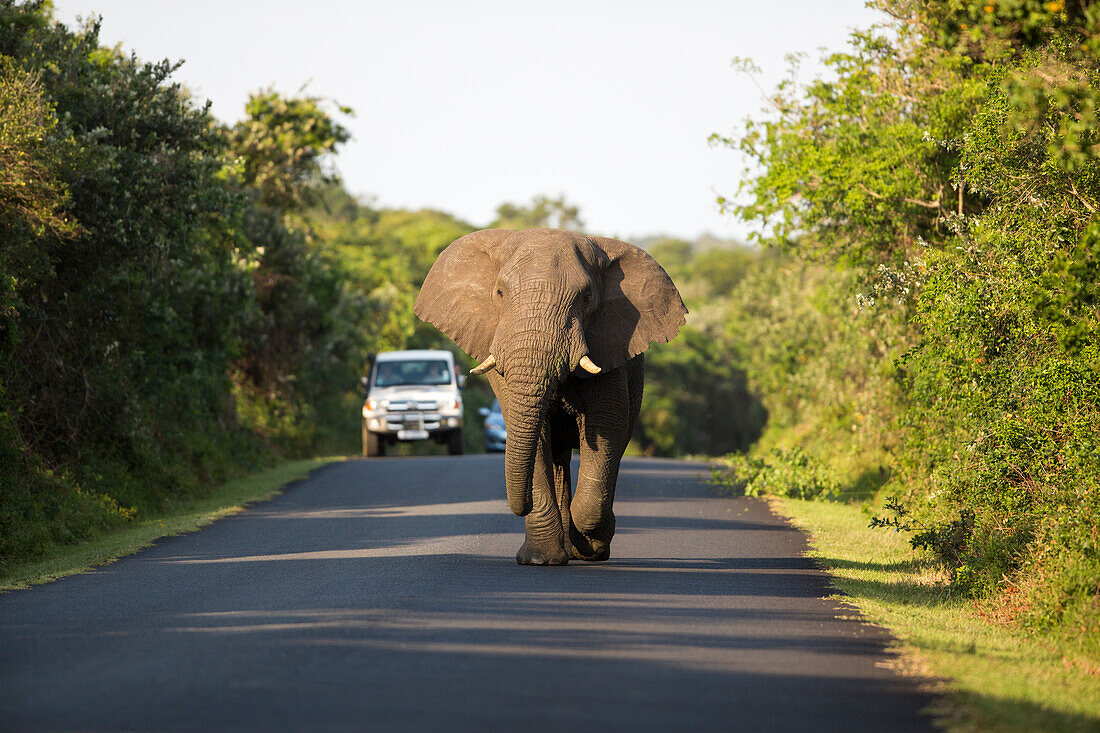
(995, 678)
(229, 498)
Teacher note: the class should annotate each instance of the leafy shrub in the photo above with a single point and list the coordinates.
(780, 473)
(946, 540)
(950, 168)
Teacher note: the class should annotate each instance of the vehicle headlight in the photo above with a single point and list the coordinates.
(373, 406)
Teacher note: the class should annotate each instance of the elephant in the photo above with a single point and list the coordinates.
(559, 322)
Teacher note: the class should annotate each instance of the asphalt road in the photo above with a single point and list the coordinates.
(383, 595)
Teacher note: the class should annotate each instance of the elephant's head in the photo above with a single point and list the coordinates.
(539, 304)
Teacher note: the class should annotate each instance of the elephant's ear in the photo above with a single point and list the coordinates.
(639, 306)
(456, 294)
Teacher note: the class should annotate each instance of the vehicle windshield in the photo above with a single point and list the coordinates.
(417, 372)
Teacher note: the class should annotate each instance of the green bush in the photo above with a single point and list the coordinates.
(168, 319)
(949, 168)
(780, 473)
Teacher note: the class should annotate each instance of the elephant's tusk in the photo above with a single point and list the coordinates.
(485, 365)
(589, 366)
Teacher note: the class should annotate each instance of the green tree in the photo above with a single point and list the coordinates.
(697, 398)
(301, 352)
(554, 213)
(950, 163)
(121, 286)
(32, 196)
(283, 146)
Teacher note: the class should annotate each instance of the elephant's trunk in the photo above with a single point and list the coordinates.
(525, 415)
(534, 363)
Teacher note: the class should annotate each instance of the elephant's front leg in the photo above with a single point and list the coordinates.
(544, 543)
(604, 433)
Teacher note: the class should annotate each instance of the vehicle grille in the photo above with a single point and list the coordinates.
(412, 405)
(414, 421)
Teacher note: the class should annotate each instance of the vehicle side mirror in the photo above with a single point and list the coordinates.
(364, 382)
(461, 381)
(483, 411)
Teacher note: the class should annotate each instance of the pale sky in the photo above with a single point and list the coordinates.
(460, 106)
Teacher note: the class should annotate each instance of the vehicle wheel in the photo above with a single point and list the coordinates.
(372, 444)
(454, 443)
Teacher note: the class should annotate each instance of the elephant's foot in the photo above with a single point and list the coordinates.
(591, 549)
(534, 554)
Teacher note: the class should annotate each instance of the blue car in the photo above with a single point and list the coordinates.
(495, 434)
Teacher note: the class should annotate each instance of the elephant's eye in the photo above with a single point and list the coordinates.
(500, 293)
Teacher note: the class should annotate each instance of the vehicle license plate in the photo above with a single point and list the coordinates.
(412, 434)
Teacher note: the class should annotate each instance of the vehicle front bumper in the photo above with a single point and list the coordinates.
(395, 423)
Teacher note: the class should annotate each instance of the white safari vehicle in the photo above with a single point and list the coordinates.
(412, 395)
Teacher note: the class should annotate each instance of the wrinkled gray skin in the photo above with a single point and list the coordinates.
(539, 301)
